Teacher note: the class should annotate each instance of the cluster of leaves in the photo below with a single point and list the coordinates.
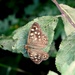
(65, 57)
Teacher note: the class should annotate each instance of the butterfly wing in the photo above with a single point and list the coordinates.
(36, 37)
(37, 56)
(36, 41)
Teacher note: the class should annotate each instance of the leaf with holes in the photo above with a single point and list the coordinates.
(20, 36)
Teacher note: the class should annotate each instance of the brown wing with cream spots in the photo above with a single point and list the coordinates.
(36, 37)
(37, 56)
(36, 41)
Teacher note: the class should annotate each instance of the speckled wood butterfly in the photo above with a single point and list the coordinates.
(35, 44)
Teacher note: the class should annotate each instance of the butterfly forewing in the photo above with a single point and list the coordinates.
(36, 37)
(35, 43)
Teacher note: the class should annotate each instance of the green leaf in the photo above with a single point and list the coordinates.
(66, 53)
(53, 50)
(52, 73)
(64, 68)
(6, 44)
(18, 39)
(71, 69)
(69, 11)
(59, 30)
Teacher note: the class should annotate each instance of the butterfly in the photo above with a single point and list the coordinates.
(35, 43)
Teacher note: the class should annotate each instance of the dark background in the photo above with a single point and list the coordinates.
(16, 13)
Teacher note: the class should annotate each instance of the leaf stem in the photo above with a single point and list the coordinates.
(64, 13)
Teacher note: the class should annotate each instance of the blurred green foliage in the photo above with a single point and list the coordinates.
(14, 14)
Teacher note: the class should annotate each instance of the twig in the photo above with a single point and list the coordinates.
(64, 14)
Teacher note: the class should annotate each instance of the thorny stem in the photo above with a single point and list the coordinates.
(64, 13)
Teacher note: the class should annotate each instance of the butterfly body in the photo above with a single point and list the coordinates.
(35, 44)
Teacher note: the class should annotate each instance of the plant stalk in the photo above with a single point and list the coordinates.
(64, 13)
